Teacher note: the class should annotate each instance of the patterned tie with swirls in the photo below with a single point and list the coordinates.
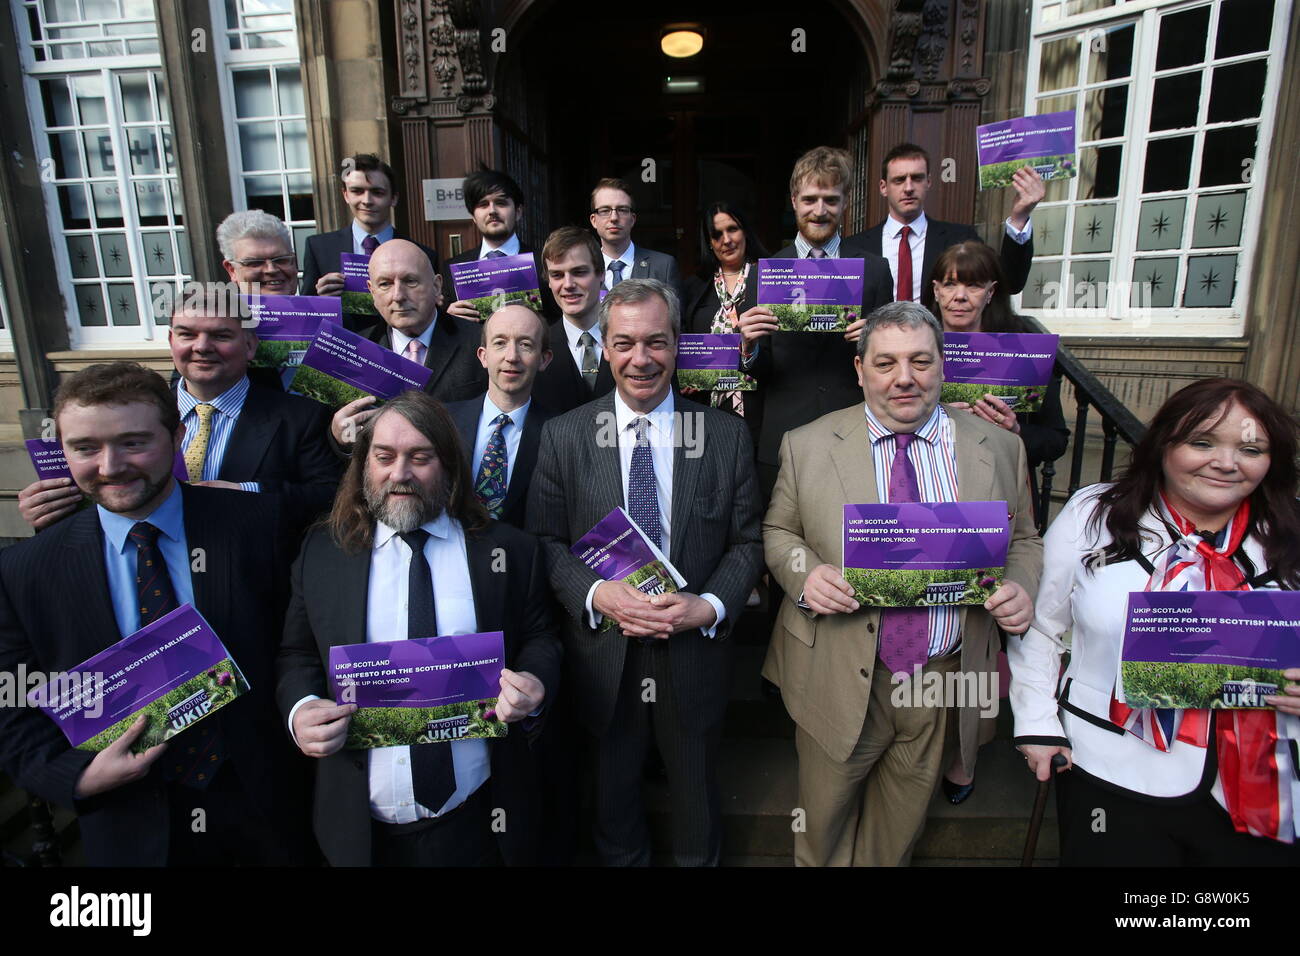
(494, 470)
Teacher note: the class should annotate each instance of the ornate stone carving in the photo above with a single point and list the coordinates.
(464, 16)
(441, 49)
(968, 13)
(411, 45)
(933, 41)
(907, 29)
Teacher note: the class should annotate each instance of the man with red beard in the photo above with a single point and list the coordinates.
(410, 552)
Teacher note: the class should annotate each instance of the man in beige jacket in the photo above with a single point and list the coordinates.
(871, 749)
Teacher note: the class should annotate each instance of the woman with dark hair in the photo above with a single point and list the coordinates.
(966, 293)
(724, 287)
(1208, 502)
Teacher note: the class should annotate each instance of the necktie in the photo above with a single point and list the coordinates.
(415, 351)
(369, 245)
(193, 760)
(904, 266)
(433, 775)
(904, 631)
(642, 489)
(616, 267)
(197, 453)
(494, 471)
(590, 365)
(495, 254)
(815, 253)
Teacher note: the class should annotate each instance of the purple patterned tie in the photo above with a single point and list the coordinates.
(904, 631)
(369, 245)
(642, 489)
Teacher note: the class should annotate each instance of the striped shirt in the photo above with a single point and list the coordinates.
(831, 247)
(934, 459)
(228, 405)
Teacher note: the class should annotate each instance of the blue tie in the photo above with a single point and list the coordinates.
(642, 490)
(616, 267)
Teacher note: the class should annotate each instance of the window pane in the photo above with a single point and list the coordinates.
(81, 253)
(1176, 101)
(58, 108)
(90, 305)
(1094, 229)
(296, 154)
(253, 93)
(67, 161)
(1237, 92)
(1160, 225)
(151, 200)
(122, 305)
(99, 153)
(136, 105)
(1043, 287)
(1168, 165)
(1089, 284)
(1074, 7)
(1055, 104)
(89, 94)
(1099, 171)
(108, 204)
(61, 11)
(1182, 38)
(1111, 54)
(1154, 282)
(178, 210)
(1058, 67)
(1104, 114)
(142, 144)
(1244, 27)
(73, 206)
(1049, 230)
(140, 47)
(112, 249)
(1225, 156)
(257, 146)
(264, 193)
(1210, 282)
(289, 84)
(1218, 220)
(101, 9)
(158, 258)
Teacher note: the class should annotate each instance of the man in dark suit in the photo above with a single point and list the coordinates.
(904, 182)
(370, 190)
(613, 214)
(495, 203)
(239, 434)
(685, 474)
(804, 375)
(74, 590)
(410, 552)
(578, 371)
(501, 429)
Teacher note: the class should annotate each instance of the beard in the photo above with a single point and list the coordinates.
(119, 505)
(405, 514)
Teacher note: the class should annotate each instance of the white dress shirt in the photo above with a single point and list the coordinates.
(401, 340)
(628, 258)
(660, 437)
(510, 247)
(916, 241)
(573, 333)
(512, 435)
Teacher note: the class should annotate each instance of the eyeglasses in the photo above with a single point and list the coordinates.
(276, 262)
(604, 212)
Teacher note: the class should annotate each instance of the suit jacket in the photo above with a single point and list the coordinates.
(804, 375)
(823, 664)
(651, 264)
(550, 311)
(466, 415)
(560, 385)
(939, 235)
(324, 249)
(55, 612)
(328, 607)
(714, 544)
(452, 356)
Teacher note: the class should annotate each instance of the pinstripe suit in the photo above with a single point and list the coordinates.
(715, 544)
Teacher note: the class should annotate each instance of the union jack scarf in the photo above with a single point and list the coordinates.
(1256, 776)
(725, 320)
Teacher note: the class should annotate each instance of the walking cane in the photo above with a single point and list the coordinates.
(1036, 818)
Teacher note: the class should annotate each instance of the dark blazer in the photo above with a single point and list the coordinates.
(324, 249)
(651, 264)
(550, 311)
(804, 375)
(699, 306)
(560, 386)
(452, 356)
(328, 607)
(55, 612)
(466, 415)
(715, 543)
(939, 235)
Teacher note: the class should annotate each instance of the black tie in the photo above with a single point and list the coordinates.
(433, 776)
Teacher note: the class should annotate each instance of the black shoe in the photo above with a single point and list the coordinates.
(957, 792)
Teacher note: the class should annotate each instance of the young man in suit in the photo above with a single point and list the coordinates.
(76, 589)
(240, 434)
(370, 191)
(685, 474)
(406, 291)
(868, 764)
(578, 371)
(409, 552)
(905, 182)
(501, 429)
(613, 214)
(495, 202)
(806, 374)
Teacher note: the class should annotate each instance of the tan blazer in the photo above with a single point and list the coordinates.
(823, 664)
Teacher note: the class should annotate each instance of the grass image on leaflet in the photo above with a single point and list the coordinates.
(222, 682)
(487, 304)
(707, 380)
(1021, 398)
(325, 389)
(799, 318)
(906, 588)
(652, 578)
(1169, 684)
(372, 727)
(997, 175)
(276, 354)
(358, 303)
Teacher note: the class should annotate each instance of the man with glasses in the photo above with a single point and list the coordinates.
(613, 214)
(257, 253)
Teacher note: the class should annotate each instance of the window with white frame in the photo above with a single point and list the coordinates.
(1174, 106)
(267, 124)
(103, 139)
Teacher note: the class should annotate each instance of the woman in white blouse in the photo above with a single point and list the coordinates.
(1208, 503)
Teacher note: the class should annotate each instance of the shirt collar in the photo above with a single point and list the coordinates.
(491, 411)
(230, 402)
(425, 338)
(359, 234)
(930, 431)
(831, 247)
(628, 258)
(894, 226)
(573, 333)
(623, 415)
(439, 527)
(510, 247)
(168, 517)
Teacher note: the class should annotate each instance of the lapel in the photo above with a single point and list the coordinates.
(346, 594)
(443, 345)
(974, 460)
(489, 587)
(875, 240)
(253, 432)
(342, 243)
(686, 476)
(936, 241)
(851, 457)
(466, 416)
(93, 608)
(212, 588)
(526, 457)
(607, 474)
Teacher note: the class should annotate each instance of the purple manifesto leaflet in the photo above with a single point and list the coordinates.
(156, 660)
(810, 282)
(1238, 628)
(291, 318)
(709, 351)
(421, 672)
(363, 364)
(491, 277)
(48, 458)
(926, 536)
(614, 548)
(355, 267)
(999, 358)
(1026, 137)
